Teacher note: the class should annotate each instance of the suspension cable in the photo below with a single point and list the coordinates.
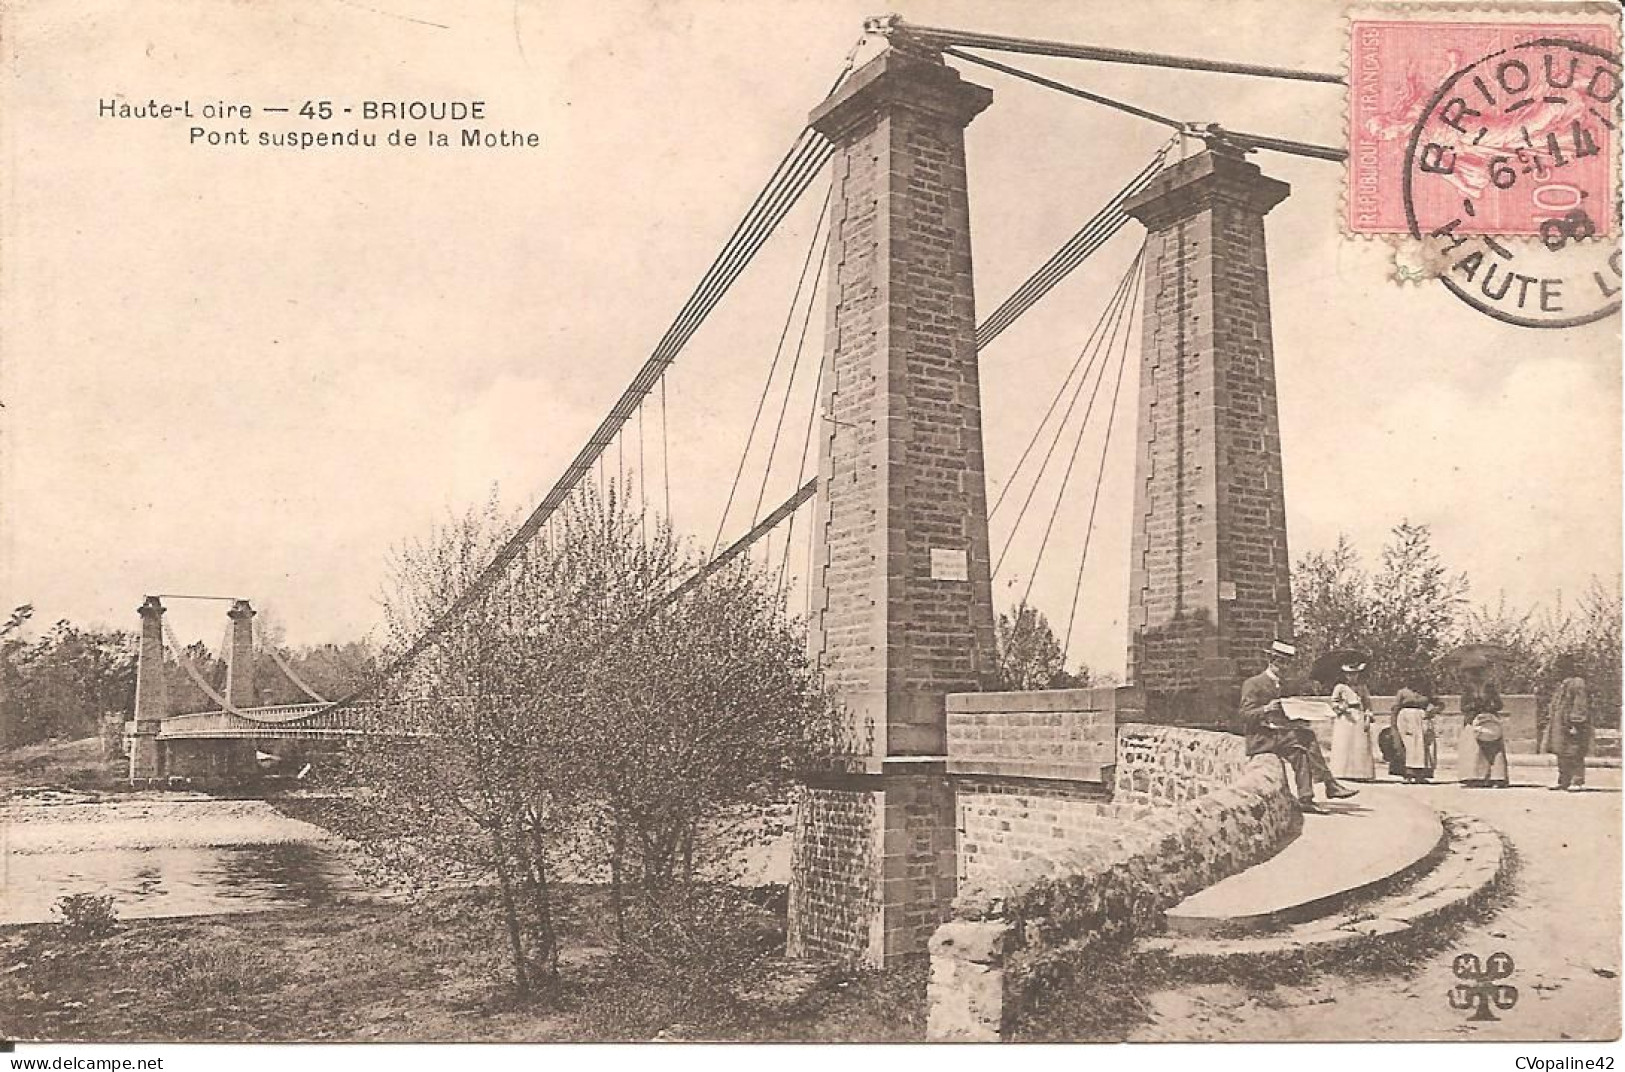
(1060, 392)
(801, 465)
(1074, 251)
(938, 37)
(772, 369)
(1083, 425)
(1100, 471)
(795, 172)
(185, 663)
(282, 665)
(1206, 131)
(795, 365)
(1092, 348)
(643, 480)
(741, 545)
(665, 452)
(1062, 87)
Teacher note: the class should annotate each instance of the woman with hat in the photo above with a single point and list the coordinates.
(1351, 726)
(1481, 750)
(1414, 712)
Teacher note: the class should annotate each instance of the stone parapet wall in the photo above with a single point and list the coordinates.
(1060, 734)
(1171, 765)
(1189, 809)
(1517, 717)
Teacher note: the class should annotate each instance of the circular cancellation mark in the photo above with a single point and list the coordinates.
(1510, 178)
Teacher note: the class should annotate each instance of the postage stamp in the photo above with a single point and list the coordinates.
(1514, 124)
(1486, 148)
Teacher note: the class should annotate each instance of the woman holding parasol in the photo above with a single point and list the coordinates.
(1481, 751)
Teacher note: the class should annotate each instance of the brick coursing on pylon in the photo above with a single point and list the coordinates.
(1208, 584)
(900, 467)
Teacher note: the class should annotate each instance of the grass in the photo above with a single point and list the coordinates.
(433, 970)
(76, 764)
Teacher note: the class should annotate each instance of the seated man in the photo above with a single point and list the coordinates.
(1268, 729)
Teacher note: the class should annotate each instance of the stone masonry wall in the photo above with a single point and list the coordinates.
(1197, 811)
(833, 866)
(1032, 776)
(1009, 828)
(1168, 765)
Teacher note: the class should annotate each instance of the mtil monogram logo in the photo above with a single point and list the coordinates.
(1481, 986)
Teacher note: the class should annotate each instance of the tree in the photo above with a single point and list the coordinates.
(573, 713)
(1597, 653)
(1028, 655)
(1331, 599)
(1404, 615)
(1416, 601)
(62, 684)
(460, 783)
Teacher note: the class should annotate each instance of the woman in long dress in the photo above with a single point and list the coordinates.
(1413, 723)
(1567, 733)
(1481, 751)
(1351, 757)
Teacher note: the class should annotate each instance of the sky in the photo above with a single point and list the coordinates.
(252, 372)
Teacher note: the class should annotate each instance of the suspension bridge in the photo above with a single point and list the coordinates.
(901, 562)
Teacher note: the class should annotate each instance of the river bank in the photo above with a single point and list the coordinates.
(433, 970)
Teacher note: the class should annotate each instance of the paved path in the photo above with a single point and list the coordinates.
(1366, 839)
(1560, 921)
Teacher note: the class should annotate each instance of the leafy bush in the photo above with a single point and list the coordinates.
(86, 916)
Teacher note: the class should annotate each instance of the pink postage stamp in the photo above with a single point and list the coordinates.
(1506, 127)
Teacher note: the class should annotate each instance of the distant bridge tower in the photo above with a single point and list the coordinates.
(151, 695)
(1209, 583)
(902, 604)
(240, 662)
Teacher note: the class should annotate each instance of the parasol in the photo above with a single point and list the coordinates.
(1330, 665)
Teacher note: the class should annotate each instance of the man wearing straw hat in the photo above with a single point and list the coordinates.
(1269, 730)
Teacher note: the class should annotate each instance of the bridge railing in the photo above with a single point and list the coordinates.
(292, 720)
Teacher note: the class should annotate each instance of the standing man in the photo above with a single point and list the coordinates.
(1568, 730)
(1269, 730)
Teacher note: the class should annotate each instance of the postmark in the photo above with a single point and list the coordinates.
(1509, 182)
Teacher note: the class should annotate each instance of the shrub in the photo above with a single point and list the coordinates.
(86, 916)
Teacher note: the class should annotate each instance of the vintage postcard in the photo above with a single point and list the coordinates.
(782, 522)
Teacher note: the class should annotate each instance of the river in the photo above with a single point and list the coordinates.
(190, 856)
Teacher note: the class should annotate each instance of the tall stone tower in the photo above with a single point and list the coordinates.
(902, 603)
(151, 695)
(1209, 586)
(240, 663)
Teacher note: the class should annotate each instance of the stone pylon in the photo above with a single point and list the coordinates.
(1209, 583)
(902, 605)
(240, 661)
(151, 695)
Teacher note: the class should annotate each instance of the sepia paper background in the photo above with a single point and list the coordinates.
(254, 371)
